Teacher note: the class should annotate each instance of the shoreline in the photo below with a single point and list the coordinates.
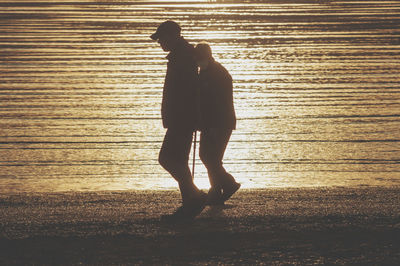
(272, 226)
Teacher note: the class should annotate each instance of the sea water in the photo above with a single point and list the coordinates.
(316, 92)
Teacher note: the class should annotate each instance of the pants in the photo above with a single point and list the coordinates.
(212, 148)
(174, 157)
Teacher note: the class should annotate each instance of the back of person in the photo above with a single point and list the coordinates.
(216, 98)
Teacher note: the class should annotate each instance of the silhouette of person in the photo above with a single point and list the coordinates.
(217, 119)
(178, 112)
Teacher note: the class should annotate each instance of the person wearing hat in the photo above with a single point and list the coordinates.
(178, 110)
(217, 119)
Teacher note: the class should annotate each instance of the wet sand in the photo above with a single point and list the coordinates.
(271, 226)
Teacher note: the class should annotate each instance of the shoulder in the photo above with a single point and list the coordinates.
(183, 50)
(182, 60)
(186, 50)
(185, 56)
(220, 71)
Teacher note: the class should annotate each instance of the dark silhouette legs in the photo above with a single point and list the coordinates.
(174, 157)
(212, 148)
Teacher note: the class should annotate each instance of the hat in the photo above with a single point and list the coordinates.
(168, 27)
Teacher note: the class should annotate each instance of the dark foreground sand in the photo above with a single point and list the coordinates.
(273, 226)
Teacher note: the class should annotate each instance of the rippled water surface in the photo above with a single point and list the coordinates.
(316, 88)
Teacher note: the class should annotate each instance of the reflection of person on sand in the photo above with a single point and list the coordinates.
(178, 115)
(216, 121)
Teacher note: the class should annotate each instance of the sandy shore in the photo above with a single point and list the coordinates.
(272, 226)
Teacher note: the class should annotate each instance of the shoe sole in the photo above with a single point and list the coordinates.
(226, 196)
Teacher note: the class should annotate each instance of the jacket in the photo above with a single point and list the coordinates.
(216, 98)
(178, 108)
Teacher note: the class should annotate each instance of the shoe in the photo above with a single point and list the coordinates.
(176, 216)
(214, 197)
(229, 191)
(188, 211)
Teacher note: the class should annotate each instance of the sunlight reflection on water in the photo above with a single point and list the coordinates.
(316, 92)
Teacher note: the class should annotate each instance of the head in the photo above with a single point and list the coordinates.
(167, 35)
(203, 55)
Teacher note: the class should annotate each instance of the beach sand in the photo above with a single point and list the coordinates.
(271, 226)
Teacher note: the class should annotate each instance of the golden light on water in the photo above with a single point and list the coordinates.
(316, 93)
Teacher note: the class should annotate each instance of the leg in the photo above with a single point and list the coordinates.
(212, 148)
(174, 157)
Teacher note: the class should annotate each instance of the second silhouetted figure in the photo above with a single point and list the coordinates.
(216, 121)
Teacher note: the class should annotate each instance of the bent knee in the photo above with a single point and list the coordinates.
(169, 162)
(204, 157)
